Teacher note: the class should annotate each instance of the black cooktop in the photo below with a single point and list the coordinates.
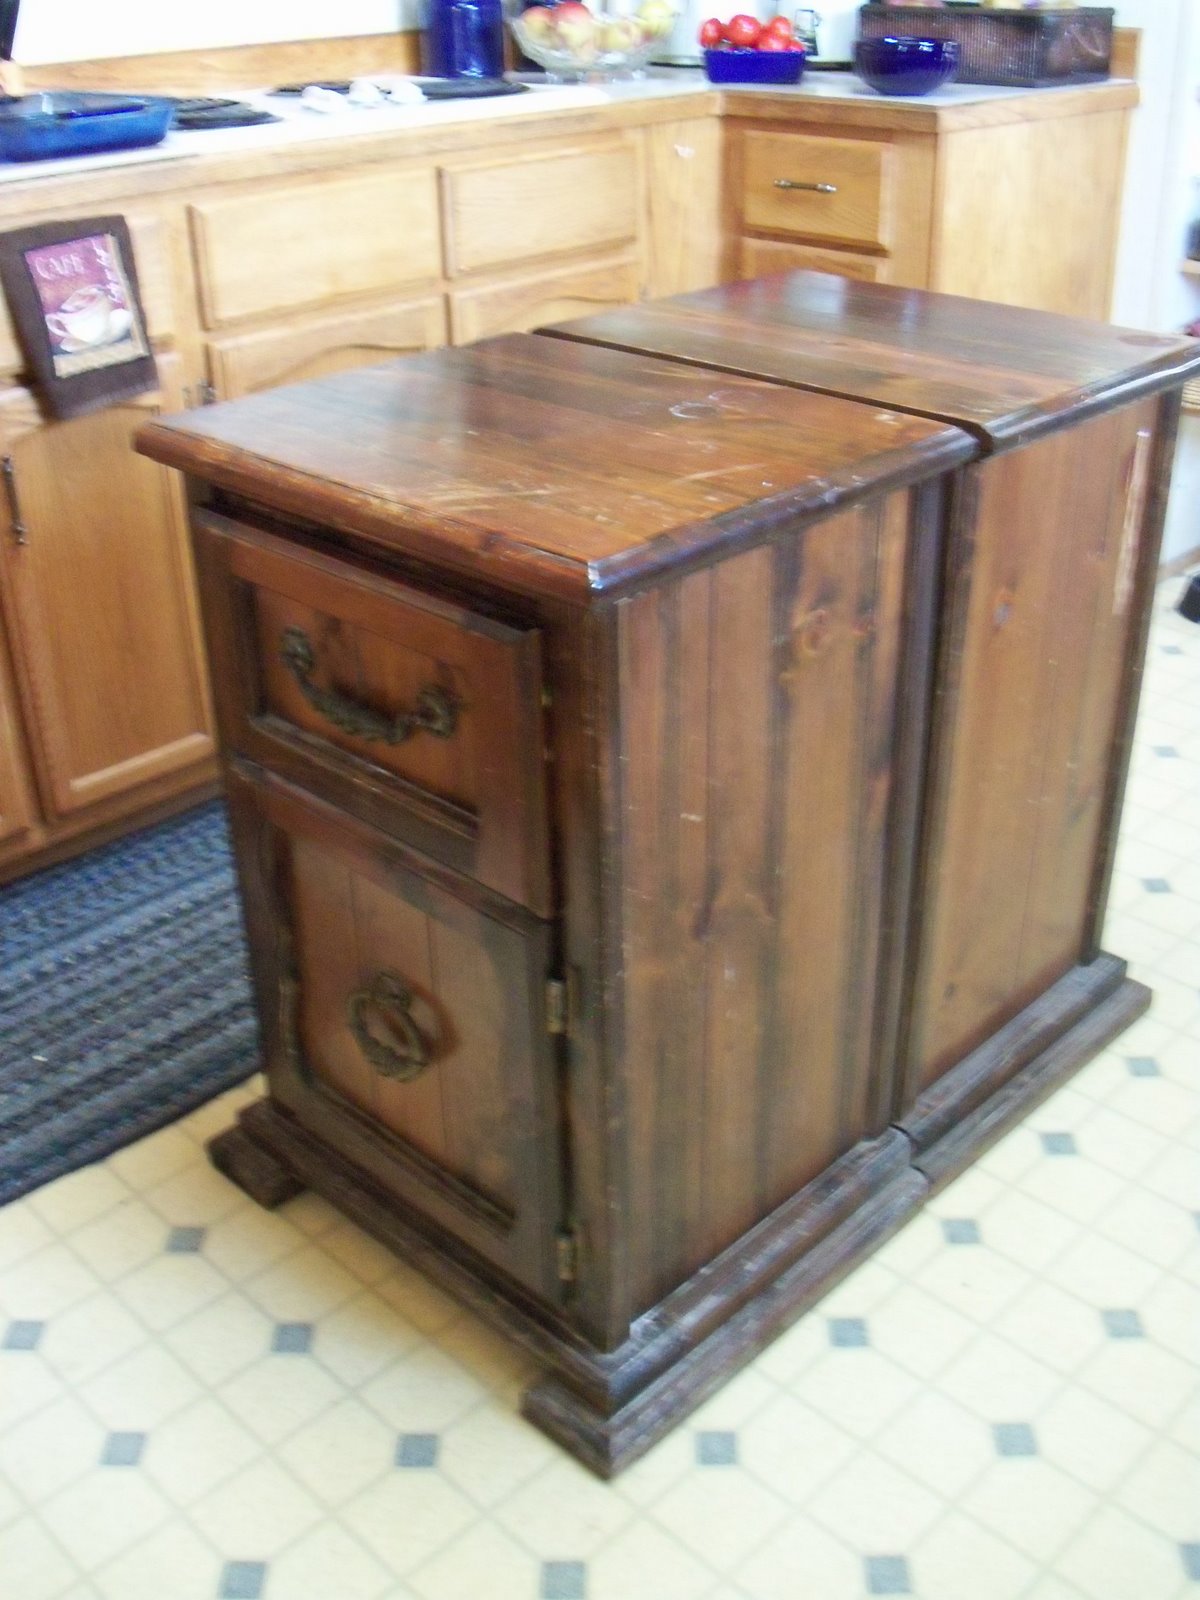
(431, 88)
(207, 113)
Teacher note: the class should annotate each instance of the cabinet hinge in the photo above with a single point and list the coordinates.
(567, 1253)
(556, 1005)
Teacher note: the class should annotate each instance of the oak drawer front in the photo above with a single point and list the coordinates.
(820, 187)
(421, 717)
(531, 301)
(502, 212)
(759, 257)
(262, 253)
(405, 1023)
(243, 363)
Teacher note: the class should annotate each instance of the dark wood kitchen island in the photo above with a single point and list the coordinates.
(604, 732)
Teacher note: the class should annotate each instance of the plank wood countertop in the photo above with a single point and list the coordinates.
(552, 467)
(1002, 372)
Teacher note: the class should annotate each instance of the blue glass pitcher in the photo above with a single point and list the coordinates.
(463, 39)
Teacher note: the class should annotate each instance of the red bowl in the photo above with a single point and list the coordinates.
(754, 66)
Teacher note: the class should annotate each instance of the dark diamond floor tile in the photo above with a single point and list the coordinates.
(716, 1449)
(417, 1450)
(564, 1580)
(242, 1580)
(122, 1449)
(22, 1335)
(1014, 1439)
(887, 1575)
(848, 1333)
(292, 1338)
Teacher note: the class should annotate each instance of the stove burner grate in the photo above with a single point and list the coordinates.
(207, 113)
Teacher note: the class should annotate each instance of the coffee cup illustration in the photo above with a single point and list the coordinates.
(88, 317)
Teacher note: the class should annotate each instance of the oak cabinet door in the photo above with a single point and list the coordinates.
(406, 1022)
(18, 808)
(105, 632)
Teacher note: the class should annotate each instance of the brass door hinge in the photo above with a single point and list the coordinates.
(567, 1255)
(556, 1005)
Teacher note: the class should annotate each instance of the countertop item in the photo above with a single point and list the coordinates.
(905, 66)
(666, 792)
(54, 124)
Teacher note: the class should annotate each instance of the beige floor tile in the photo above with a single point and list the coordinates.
(1171, 1315)
(874, 1506)
(340, 1452)
(33, 1564)
(1054, 1327)
(939, 1442)
(103, 1513)
(976, 1283)
(78, 1198)
(327, 1562)
(355, 1250)
(1148, 1383)
(1031, 1504)
(794, 1351)
(998, 1382)
(1025, 1230)
(916, 1241)
(958, 1558)
(1115, 1557)
(222, 1339)
(310, 1213)
(497, 1363)
(45, 1283)
(793, 1449)
(564, 1513)
(153, 1160)
(407, 1518)
(255, 1514)
(735, 1402)
(250, 1241)
(1164, 1491)
(10, 1507)
(1175, 1176)
(721, 1515)
(857, 1389)
(303, 1286)
(423, 1392)
(483, 1561)
(279, 1394)
(644, 1560)
(170, 1287)
(1080, 1188)
(140, 1391)
(418, 1301)
(918, 1332)
(802, 1559)
(127, 1237)
(490, 1453)
(174, 1561)
(89, 1337)
(22, 1232)
(665, 1463)
(197, 1449)
(363, 1336)
(1089, 1438)
(1051, 1587)
(1144, 1223)
(196, 1196)
(50, 1449)
(26, 1385)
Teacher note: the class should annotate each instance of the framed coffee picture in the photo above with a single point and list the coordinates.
(73, 293)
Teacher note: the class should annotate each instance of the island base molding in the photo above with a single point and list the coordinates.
(609, 1408)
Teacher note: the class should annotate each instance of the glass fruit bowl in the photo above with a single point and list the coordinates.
(574, 41)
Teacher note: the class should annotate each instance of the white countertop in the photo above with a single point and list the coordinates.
(298, 124)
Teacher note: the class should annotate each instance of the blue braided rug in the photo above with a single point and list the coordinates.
(124, 996)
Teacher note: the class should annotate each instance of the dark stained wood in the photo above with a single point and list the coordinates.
(473, 1143)
(476, 798)
(550, 467)
(823, 744)
(1003, 372)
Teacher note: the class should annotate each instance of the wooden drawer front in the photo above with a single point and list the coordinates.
(242, 363)
(266, 252)
(548, 297)
(410, 1027)
(854, 205)
(547, 204)
(362, 654)
(152, 259)
(762, 256)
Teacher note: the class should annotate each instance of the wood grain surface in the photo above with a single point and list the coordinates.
(552, 466)
(1000, 371)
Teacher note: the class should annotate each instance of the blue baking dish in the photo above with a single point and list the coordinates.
(61, 122)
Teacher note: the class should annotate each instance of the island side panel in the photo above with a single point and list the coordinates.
(756, 757)
(1040, 613)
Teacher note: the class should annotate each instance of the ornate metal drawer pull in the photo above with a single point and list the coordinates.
(436, 711)
(812, 188)
(389, 995)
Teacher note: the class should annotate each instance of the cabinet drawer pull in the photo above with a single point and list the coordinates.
(436, 711)
(389, 996)
(812, 188)
(8, 471)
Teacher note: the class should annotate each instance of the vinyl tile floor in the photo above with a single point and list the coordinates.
(203, 1401)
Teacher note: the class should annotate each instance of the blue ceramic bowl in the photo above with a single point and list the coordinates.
(754, 66)
(901, 65)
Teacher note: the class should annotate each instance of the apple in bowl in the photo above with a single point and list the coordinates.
(573, 40)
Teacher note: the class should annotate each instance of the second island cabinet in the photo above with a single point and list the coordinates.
(743, 637)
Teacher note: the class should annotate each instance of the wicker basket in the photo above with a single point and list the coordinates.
(1021, 49)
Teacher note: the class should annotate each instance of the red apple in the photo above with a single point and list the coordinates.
(742, 31)
(711, 33)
